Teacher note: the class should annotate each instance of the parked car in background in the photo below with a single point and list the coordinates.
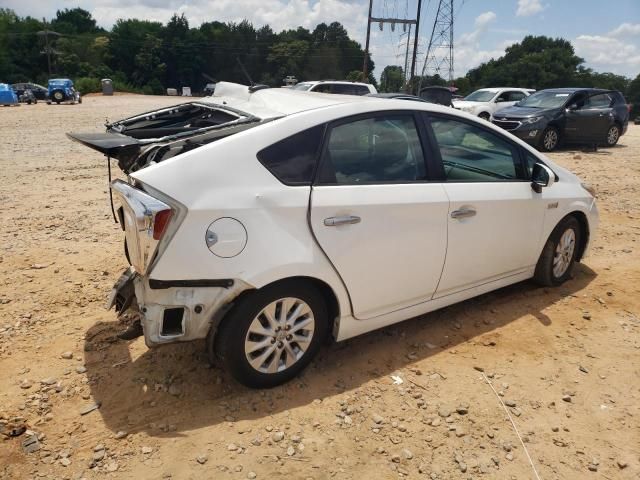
(485, 101)
(437, 94)
(336, 86)
(7, 96)
(230, 242)
(39, 92)
(27, 97)
(62, 90)
(570, 115)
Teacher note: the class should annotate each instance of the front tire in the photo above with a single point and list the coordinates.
(272, 334)
(613, 135)
(550, 139)
(485, 116)
(558, 257)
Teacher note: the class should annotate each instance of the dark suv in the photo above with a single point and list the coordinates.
(569, 115)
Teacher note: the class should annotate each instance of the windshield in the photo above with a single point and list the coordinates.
(302, 86)
(480, 96)
(544, 100)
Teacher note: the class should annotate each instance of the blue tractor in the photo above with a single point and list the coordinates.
(62, 90)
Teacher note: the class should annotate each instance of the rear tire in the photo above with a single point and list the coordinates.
(272, 334)
(559, 254)
(613, 135)
(550, 139)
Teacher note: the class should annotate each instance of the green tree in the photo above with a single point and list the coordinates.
(391, 79)
(633, 96)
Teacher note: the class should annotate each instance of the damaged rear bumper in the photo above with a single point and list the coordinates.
(173, 311)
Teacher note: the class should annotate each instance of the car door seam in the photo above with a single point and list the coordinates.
(335, 269)
(446, 243)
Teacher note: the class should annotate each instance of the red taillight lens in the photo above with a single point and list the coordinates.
(160, 223)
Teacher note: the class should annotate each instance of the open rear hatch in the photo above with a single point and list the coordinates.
(154, 136)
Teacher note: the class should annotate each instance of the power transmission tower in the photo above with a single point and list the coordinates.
(439, 58)
(392, 21)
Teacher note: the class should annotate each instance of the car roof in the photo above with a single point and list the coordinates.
(497, 89)
(273, 102)
(341, 82)
(575, 89)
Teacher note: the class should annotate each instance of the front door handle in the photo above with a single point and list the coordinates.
(463, 213)
(343, 220)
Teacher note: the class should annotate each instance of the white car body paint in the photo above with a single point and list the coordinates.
(492, 105)
(405, 258)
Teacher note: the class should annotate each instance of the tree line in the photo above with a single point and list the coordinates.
(148, 57)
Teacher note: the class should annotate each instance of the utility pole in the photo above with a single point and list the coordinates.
(415, 41)
(392, 22)
(47, 46)
(365, 67)
(406, 58)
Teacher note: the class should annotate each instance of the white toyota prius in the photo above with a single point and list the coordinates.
(268, 220)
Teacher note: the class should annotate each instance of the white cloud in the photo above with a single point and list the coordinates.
(606, 53)
(279, 14)
(468, 53)
(527, 8)
(626, 29)
(481, 23)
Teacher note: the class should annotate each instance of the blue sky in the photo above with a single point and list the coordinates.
(605, 33)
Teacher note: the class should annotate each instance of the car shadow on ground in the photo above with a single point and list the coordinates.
(172, 389)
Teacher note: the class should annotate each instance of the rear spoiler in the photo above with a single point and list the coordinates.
(113, 145)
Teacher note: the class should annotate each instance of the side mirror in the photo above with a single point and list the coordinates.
(572, 107)
(542, 176)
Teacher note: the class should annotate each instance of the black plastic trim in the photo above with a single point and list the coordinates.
(163, 284)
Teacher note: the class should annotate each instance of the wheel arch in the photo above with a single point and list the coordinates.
(328, 294)
(584, 231)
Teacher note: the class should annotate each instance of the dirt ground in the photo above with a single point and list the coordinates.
(567, 360)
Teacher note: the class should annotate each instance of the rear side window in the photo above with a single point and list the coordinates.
(379, 149)
(293, 160)
(360, 90)
(602, 100)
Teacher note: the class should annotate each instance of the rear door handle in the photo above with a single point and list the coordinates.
(463, 213)
(342, 220)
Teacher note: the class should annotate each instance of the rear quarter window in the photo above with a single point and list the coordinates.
(293, 160)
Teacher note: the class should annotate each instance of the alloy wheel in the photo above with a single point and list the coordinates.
(550, 139)
(564, 253)
(279, 335)
(612, 135)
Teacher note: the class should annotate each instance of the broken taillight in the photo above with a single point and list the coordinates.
(160, 222)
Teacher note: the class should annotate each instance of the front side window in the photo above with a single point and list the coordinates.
(374, 150)
(516, 96)
(472, 154)
(342, 89)
(293, 160)
(322, 88)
